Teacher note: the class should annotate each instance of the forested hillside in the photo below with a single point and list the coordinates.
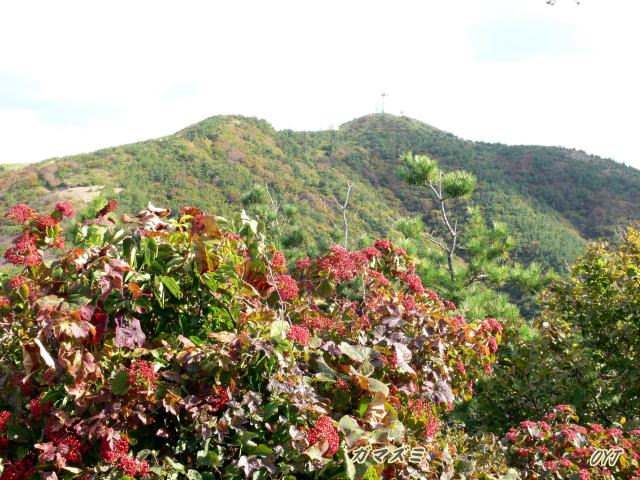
(551, 198)
(366, 303)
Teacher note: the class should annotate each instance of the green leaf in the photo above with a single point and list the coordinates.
(260, 449)
(74, 470)
(349, 466)
(193, 475)
(270, 410)
(18, 433)
(246, 437)
(120, 383)
(352, 432)
(279, 330)
(314, 453)
(209, 281)
(44, 354)
(142, 454)
(324, 368)
(362, 408)
(356, 353)
(249, 225)
(158, 291)
(374, 385)
(208, 458)
(172, 286)
(512, 474)
(174, 465)
(370, 474)
(396, 430)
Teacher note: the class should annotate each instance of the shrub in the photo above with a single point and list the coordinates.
(171, 348)
(558, 447)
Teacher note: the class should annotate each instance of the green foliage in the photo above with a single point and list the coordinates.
(419, 169)
(596, 313)
(581, 350)
(256, 196)
(458, 184)
(550, 198)
(412, 228)
(474, 258)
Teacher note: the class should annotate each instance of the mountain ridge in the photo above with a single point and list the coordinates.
(552, 198)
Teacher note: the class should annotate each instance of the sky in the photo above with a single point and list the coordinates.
(78, 76)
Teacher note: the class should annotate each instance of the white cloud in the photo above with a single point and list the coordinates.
(85, 75)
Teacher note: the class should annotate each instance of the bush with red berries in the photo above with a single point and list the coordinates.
(190, 348)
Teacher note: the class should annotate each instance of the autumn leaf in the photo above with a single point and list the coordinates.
(376, 411)
(129, 333)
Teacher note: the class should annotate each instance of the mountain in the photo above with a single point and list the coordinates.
(552, 198)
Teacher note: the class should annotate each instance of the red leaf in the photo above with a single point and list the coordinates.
(129, 333)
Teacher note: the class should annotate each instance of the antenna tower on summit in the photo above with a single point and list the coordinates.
(383, 95)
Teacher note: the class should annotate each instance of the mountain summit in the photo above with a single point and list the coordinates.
(552, 198)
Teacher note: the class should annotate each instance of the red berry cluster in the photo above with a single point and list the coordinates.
(120, 448)
(324, 430)
(419, 407)
(409, 302)
(220, 399)
(17, 281)
(425, 414)
(559, 447)
(433, 296)
(431, 427)
(65, 208)
(46, 221)
(20, 470)
(287, 287)
(132, 467)
(231, 236)
(492, 325)
(385, 246)
(321, 324)
(37, 407)
(413, 282)
(342, 264)
(458, 322)
(4, 419)
(24, 251)
(378, 277)
(71, 448)
(299, 334)
(278, 262)
(372, 252)
(21, 213)
(142, 377)
(120, 453)
(303, 264)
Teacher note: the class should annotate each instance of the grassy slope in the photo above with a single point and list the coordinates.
(553, 198)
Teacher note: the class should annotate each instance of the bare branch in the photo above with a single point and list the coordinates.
(274, 205)
(343, 207)
(433, 239)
